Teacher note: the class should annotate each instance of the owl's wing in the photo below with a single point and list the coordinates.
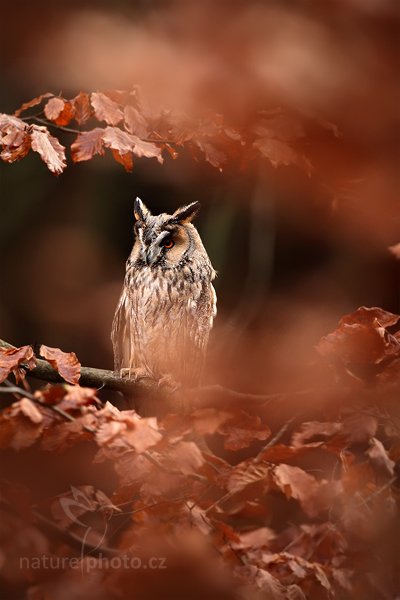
(198, 323)
(121, 333)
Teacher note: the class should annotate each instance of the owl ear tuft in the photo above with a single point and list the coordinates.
(186, 214)
(140, 210)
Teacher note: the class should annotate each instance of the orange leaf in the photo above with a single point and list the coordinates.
(12, 358)
(126, 160)
(66, 363)
(59, 110)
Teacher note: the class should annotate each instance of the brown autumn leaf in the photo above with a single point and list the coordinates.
(212, 154)
(280, 127)
(82, 108)
(32, 103)
(247, 473)
(135, 122)
(256, 538)
(186, 457)
(66, 363)
(11, 130)
(59, 111)
(207, 421)
(282, 453)
(126, 160)
(30, 410)
(87, 144)
(358, 343)
(281, 153)
(379, 457)
(355, 429)
(376, 317)
(20, 425)
(241, 430)
(12, 358)
(49, 148)
(269, 585)
(106, 109)
(19, 148)
(14, 138)
(124, 142)
(76, 396)
(315, 431)
(146, 149)
(296, 483)
(141, 434)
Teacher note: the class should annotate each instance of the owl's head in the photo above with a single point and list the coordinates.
(165, 240)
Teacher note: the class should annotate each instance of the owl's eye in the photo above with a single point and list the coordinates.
(168, 243)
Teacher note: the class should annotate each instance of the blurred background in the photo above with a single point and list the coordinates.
(293, 252)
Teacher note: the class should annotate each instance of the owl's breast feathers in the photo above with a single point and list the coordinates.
(163, 320)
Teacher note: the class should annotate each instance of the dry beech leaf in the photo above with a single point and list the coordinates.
(379, 458)
(376, 317)
(126, 160)
(87, 144)
(53, 108)
(295, 483)
(30, 410)
(12, 358)
(355, 429)
(82, 108)
(242, 429)
(135, 122)
(141, 434)
(124, 142)
(49, 148)
(280, 153)
(106, 109)
(20, 425)
(32, 103)
(66, 363)
(186, 457)
(246, 474)
(213, 155)
(270, 585)
(59, 111)
(361, 338)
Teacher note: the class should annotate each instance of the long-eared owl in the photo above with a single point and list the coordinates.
(167, 305)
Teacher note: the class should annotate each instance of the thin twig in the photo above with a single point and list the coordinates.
(279, 434)
(76, 131)
(13, 389)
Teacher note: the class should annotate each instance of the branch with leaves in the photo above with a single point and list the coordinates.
(332, 478)
(120, 121)
(59, 367)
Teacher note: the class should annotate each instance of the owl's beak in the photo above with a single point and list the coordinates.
(154, 250)
(152, 254)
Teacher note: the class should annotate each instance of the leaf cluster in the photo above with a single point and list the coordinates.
(304, 509)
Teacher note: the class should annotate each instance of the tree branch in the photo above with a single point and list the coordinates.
(202, 397)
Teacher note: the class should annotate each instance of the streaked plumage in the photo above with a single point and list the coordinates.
(168, 303)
